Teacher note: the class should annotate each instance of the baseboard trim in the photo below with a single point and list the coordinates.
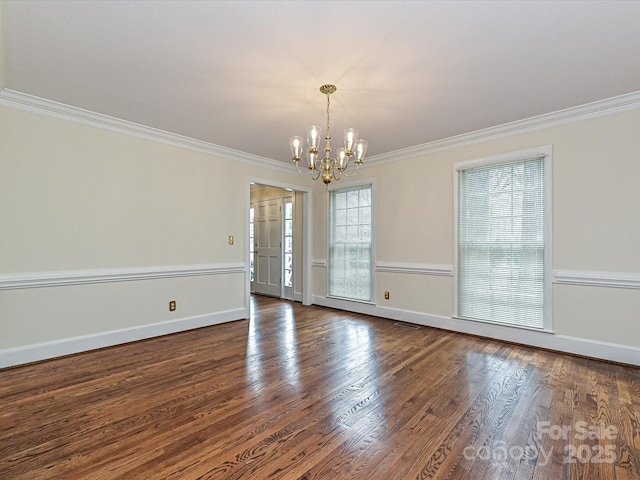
(547, 340)
(68, 346)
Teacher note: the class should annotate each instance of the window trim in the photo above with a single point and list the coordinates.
(341, 185)
(546, 152)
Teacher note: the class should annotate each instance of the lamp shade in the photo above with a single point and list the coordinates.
(342, 159)
(350, 140)
(297, 146)
(312, 157)
(313, 137)
(361, 151)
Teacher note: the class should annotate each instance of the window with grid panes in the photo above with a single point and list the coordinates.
(350, 272)
(288, 243)
(502, 242)
(251, 242)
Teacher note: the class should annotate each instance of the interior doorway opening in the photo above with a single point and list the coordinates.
(278, 241)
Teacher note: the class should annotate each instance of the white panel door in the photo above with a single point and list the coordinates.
(268, 243)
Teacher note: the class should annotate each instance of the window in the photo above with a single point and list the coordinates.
(288, 243)
(350, 261)
(251, 244)
(288, 246)
(503, 232)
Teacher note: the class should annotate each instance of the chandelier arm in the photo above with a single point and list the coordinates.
(315, 176)
(300, 171)
(354, 172)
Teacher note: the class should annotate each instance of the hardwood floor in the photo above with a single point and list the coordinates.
(312, 393)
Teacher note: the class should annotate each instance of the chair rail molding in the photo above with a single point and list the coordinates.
(597, 279)
(415, 268)
(81, 277)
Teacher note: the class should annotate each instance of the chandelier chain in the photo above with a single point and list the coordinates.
(328, 120)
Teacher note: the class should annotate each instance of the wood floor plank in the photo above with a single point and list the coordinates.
(300, 392)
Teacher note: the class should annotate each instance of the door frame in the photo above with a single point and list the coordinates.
(306, 235)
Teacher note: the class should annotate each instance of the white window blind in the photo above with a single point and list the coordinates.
(350, 243)
(501, 243)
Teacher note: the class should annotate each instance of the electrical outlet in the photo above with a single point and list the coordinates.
(386, 295)
(172, 305)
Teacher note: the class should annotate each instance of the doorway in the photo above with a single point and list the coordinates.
(278, 240)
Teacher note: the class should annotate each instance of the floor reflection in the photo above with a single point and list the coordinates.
(289, 347)
(284, 356)
(253, 364)
(356, 346)
(281, 351)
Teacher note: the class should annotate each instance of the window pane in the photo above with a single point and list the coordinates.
(501, 243)
(288, 242)
(350, 249)
(352, 216)
(365, 197)
(352, 198)
(251, 266)
(365, 216)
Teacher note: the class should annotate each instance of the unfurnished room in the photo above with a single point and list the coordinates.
(287, 240)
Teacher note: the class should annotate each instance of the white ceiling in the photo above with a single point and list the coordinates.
(245, 74)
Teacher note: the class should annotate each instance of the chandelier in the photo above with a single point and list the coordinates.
(329, 168)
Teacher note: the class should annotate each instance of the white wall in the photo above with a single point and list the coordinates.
(596, 233)
(100, 230)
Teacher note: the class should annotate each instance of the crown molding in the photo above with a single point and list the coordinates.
(600, 108)
(61, 111)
